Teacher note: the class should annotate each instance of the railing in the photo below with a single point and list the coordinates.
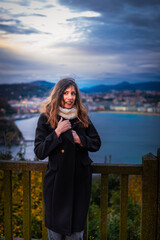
(149, 170)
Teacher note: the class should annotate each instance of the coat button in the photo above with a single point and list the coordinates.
(62, 151)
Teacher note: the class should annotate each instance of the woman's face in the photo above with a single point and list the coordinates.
(69, 97)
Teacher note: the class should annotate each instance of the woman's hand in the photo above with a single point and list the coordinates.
(76, 137)
(62, 126)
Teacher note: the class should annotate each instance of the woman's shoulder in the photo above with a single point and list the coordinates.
(89, 120)
(43, 118)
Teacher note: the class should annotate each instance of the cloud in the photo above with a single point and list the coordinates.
(88, 38)
(2, 20)
(17, 29)
(113, 78)
(48, 6)
(122, 26)
(8, 13)
(28, 15)
(138, 13)
(10, 23)
(146, 20)
(10, 60)
(16, 67)
(15, 26)
(107, 5)
(24, 3)
(93, 5)
(21, 2)
(19, 68)
(104, 38)
(4, 11)
(124, 38)
(142, 3)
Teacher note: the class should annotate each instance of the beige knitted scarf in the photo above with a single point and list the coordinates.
(68, 113)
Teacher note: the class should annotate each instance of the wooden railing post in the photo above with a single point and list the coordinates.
(124, 207)
(158, 216)
(104, 206)
(8, 204)
(27, 205)
(149, 197)
(44, 229)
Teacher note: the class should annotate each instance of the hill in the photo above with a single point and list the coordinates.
(25, 90)
(41, 88)
(144, 86)
(42, 83)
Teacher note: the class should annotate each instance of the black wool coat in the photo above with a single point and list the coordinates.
(67, 181)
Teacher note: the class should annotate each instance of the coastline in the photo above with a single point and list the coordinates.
(128, 112)
(23, 117)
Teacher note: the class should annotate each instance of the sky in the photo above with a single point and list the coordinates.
(93, 41)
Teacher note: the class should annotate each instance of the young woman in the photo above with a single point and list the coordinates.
(65, 134)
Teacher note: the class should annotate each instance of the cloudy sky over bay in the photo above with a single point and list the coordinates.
(95, 41)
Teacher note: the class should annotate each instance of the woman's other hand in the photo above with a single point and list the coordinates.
(62, 126)
(76, 137)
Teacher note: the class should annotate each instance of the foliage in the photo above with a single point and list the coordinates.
(17, 197)
(114, 188)
(95, 193)
(134, 219)
(113, 225)
(17, 204)
(6, 154)
(94, 221)
(5, 108)
(113, 216)
(135, 188)
(20, 156)
(9, 133)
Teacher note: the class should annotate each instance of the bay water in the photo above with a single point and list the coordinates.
(125, 137)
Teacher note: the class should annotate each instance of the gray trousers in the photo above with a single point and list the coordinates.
(57, 236)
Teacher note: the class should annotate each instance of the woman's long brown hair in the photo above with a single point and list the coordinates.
(51, 106)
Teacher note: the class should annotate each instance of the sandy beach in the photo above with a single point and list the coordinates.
(141, 113)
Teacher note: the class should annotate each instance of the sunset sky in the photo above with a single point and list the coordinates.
(94, 41)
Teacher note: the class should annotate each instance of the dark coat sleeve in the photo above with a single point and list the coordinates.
(90, 140)
(45, 142)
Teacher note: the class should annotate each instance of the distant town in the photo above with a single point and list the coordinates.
(113, 101)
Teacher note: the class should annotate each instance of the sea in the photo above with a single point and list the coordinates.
(125, 137)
